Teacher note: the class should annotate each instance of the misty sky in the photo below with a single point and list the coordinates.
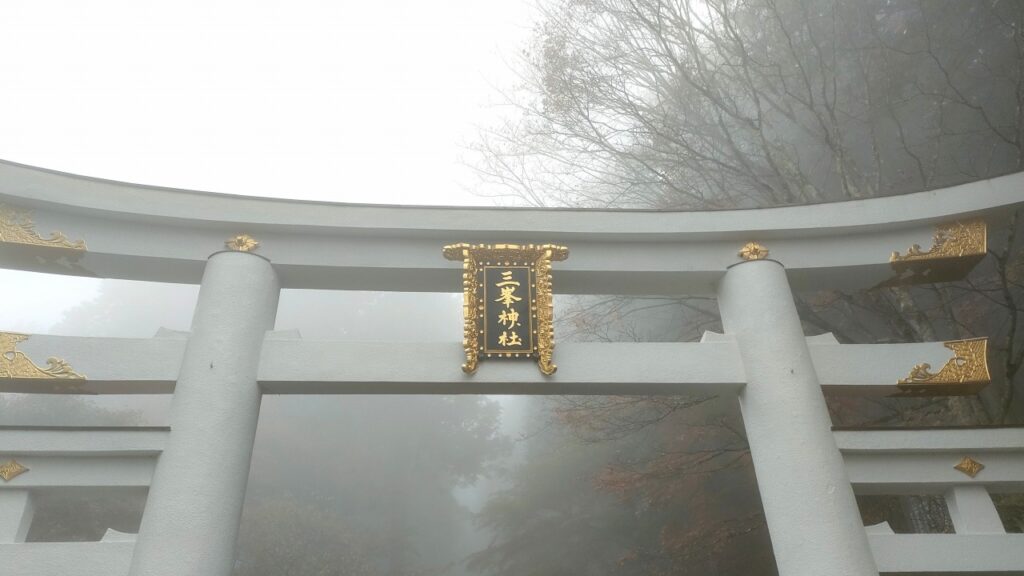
(338, 101)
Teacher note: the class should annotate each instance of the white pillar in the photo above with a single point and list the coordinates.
(972, 510)
(812, 516)
(16, 513)
(190, 524)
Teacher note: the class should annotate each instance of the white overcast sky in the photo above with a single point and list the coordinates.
(348, 101)
(355, 101)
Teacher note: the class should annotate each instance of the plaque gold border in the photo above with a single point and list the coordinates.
(540, 258)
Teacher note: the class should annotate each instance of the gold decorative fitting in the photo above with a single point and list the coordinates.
(537, 258)
(965, 373)
(970, 466)
(11, 469)
(242, 243)
(753, 251)
(15, 364)
(17, 227)
(956, 248)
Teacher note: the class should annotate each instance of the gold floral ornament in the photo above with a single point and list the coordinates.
(753, 251)
(965, 373)
(11, 469)
(507, 309)
(17, 227)
(14, 364)
(956, 248)
(970, 466)
(242, 243)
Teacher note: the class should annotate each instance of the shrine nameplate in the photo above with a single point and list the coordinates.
(507, 301)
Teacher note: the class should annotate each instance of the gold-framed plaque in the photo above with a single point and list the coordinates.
(507, 306)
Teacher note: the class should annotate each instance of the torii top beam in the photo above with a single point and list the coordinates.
(138, 232)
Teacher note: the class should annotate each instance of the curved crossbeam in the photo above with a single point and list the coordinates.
(159, 234)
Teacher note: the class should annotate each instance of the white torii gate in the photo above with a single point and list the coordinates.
(197, 469)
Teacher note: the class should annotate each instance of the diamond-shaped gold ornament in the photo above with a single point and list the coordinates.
(10, 469)
(970, 466)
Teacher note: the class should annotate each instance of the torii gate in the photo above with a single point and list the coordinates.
(197, 469)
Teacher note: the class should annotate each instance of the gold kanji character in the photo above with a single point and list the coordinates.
(506, 279)
(507, 339)
(508, 297)
(509, 317)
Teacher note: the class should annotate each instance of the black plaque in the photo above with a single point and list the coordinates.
(509, 326)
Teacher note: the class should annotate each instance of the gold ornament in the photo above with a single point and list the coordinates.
(951, 240)
(965, 373)
(956, 248)
(970, 466)
(17, 227)
(753, 251)
(242, 243)
(10, 469)
(15, 364)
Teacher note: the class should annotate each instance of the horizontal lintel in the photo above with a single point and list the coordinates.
(78, 558)
(80, 471)
(296, 366)
(147, 233)
(82, 441)
(923, 461)
(948, 553)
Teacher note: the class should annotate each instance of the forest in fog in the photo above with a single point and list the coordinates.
(655, 104)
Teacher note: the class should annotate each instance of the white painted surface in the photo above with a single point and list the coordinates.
(111, 365)
(296, 366)
(961, 439)
(880, 528)
(972, 511)
(922, 461)
(66, 559)
(150, 233)
(872, 369)
(79, 471)
(933, 472)
(112, 535)
(812, 516)
(190, 524)
(949, 553)
(42, 187)
(299, 367)
(16, 513)
(84, 441)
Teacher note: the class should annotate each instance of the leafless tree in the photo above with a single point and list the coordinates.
(718, 104)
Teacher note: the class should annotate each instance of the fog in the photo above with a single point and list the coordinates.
(383, 482)
(663, 105)
(369, 484)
